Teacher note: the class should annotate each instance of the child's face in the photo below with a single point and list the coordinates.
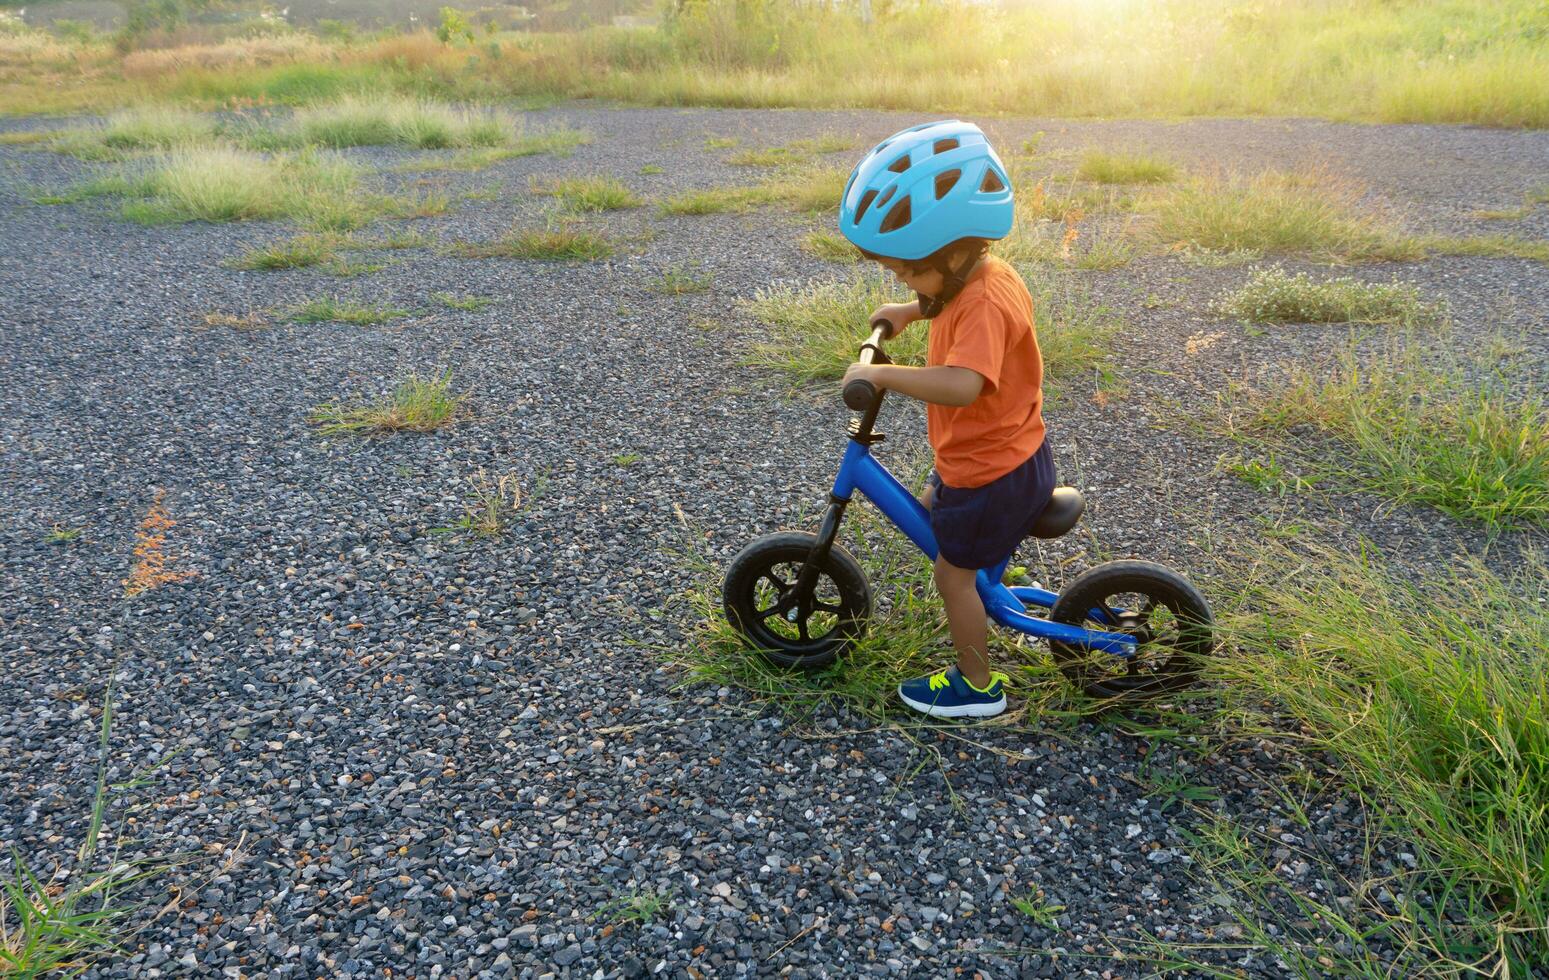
(921, 279)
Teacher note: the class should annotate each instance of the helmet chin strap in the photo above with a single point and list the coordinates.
(953, 281)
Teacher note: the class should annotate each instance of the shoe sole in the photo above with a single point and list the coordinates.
(987, 710)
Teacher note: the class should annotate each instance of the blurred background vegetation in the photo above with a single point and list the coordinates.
(1469, 61)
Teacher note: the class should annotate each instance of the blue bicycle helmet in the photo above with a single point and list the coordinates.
(924, 188)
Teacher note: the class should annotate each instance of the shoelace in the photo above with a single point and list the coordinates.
(939, 680)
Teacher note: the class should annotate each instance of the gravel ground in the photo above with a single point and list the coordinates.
(443, 756)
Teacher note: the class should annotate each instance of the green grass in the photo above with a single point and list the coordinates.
(146, 128)
(326, 309)
(830, 247)
(1440, 435)
(721, 142)
(1367, 59)
(814, 330)
(1086, 245)
(389, 120)
(1431, 698)
(1043, 913)
(309, 250)
(560, 142)
(1274, 213)
(907, 637)
(1275, 296)
(811, 191)
(28, 137)
(677, 280)
(793, 154)
(415, 405)
(638, 906)
(713, 200)
(296, 253)
(467, 304)
(589, 194)
(651, 168)
(1486, 246)
(1124, 168)
(61, 534)
(222, 184)
(1530, 202)
(541, 244)
(60, 923)
(487, 513)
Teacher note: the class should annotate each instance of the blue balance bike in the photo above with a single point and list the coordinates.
(1122, 630)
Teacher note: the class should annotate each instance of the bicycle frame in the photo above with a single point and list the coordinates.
(1007, 606)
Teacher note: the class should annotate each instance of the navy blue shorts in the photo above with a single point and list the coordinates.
(981, 527)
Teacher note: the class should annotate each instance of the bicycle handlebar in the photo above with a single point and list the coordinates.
(859, 394)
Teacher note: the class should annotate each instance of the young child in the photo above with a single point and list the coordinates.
(925, 203)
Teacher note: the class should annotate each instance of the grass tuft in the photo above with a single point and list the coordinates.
(1468, 446)
(147, 128)
(325, 309)
(222, 184)
(542, 244)
(792, 154)
(677, 280)
(815, 329)
(1432, 698)
(589, 194)
(1486, 246)
(297, 253)
(467, 304)
(640, 906)
(62, 923)
(1275, 296)
(389, 121)
(713, 200)
(1274, 213)
(830, 247)
(1123, 168)
(415, 405)
(251, 320)
(560, 142)
(495, 501)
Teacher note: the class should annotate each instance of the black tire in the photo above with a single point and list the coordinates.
(1169, 615)
(760, 584)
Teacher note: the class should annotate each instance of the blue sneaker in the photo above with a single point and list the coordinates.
(948, 694)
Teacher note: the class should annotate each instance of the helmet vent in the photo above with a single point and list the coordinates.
(866, 200)
(887, 195)
(896, 218)
(991, 183)
(900, 165)
(943, 146)
(946, 181)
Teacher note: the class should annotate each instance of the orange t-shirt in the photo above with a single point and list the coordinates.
(988, 328)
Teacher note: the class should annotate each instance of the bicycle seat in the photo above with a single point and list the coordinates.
(1064, 510)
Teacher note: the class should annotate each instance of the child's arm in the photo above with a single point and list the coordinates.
(900, 315)
(954, 386)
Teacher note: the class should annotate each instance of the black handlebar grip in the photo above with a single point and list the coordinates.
(859, 394)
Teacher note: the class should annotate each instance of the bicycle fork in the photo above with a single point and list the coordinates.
(828, 531)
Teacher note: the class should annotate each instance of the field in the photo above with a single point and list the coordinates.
(1429, 61)
(376, 445)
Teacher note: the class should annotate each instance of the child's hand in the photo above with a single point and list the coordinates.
(860, 372)
(898, 316)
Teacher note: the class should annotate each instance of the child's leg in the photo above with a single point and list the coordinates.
(966, 619)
